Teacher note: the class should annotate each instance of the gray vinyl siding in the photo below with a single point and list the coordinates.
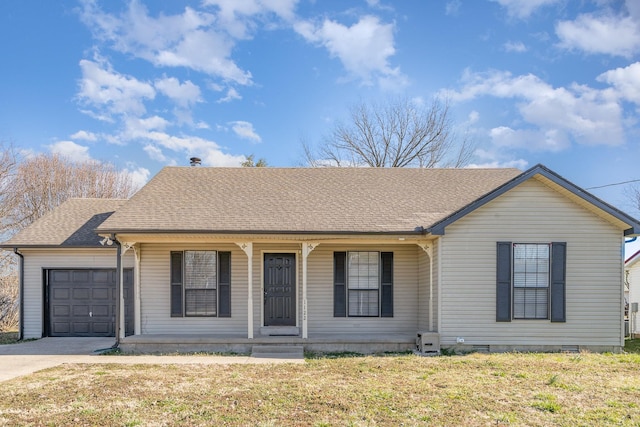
(634, 296)
(35, 260)
(320, 293)
(423, 290)
(532, 213)
(155, 293)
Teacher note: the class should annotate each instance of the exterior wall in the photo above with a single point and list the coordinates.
(634, 296)
(532, 213)
(155, 291)
(35, 260)
(405, 291)
(155, 297)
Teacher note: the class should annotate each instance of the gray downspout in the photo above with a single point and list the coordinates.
(21, 295)
(118, 270)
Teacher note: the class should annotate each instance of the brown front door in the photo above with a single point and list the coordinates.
(279, 290)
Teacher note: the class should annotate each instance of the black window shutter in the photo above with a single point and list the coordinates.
(339, 284)
(224, 284)
(176, 284)
(386, 298)
(503, 282)
(558, 281)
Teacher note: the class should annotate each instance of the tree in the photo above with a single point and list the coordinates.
(42, 182)
(249, 163)
(399, 133)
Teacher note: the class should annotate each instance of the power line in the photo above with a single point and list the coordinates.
(614, 184)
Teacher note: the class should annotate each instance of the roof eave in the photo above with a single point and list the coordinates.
(417, 232)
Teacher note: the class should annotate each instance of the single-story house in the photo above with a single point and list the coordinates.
(333, 259)
(632, 282)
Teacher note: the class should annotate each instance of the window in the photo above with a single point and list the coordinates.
(363, 284)
(530, 281)
(200, 283)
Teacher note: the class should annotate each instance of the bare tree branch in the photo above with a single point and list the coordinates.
(399, 133)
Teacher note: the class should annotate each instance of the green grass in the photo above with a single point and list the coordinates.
(10, 337)
(344, 389)
(632, 345)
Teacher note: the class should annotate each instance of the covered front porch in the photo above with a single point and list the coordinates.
(313, 322)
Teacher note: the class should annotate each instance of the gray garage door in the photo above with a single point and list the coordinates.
(82, 302)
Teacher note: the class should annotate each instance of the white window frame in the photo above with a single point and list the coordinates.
(530, 281)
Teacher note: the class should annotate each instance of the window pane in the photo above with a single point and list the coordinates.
(363, 302)
(200, 283)
(530, 303)
(200, 269)
(364, 268)
(200, 302)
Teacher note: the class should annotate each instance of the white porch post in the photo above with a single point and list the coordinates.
(247, 248)
(428, 248)
(125, 247)
(137, 326)
(307, 248)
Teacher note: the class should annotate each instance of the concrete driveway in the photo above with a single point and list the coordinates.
(31, 356)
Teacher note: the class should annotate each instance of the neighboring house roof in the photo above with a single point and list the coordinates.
(301, 200)
(632, 260)
(72, 224)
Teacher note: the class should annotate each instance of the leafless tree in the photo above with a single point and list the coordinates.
(42, 182)
(399, 133)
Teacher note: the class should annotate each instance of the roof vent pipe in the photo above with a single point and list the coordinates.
(195, 161)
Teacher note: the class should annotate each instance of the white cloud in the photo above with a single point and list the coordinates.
(452, 7)
(626, 82)
(190, 39)
(529, 139)
(235, 16)
(139, 175)
(245, 130)
(496, 159)
(154, 153)
(232, 94)
(578, 112)
(607, 34)
(110, 92)
(474, 116)
(84, 135)
(363, 48)
(71, 150)
(184, 94)
(523, 8)
(517, 47)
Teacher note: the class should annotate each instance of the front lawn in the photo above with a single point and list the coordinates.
(476, 389)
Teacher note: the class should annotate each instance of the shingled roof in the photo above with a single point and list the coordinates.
(301, 200)
(72, 224)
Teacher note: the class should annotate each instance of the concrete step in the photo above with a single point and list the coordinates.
(278, 351)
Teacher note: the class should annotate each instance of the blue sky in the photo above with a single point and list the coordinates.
(144, 84)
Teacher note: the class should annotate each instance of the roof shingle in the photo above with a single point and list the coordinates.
(301, 200)
(72, 224)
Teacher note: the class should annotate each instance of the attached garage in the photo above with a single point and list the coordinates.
(82, 302)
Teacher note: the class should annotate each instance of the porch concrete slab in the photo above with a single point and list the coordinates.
(27, 357)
